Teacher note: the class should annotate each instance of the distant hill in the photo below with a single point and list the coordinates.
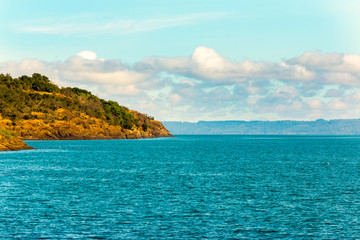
(35, 108)
(318, 127)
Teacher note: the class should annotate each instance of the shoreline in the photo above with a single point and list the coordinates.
(17, 144)
(13, 144)
(90, 139)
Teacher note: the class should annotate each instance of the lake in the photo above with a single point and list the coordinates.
(187, 187)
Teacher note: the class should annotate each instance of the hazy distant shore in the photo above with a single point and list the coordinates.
(286, 127)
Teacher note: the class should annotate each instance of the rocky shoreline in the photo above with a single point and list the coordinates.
(62, 130)
(12, 144)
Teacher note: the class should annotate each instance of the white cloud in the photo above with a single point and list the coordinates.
(125, 77)
(316, 60)
(341, 78)
(334, 62)
(208, 85)
(26, 66)
(89, 55)
(206, 63)
(337, 104)
(315, 104)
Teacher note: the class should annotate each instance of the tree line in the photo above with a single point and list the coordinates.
(21, 97)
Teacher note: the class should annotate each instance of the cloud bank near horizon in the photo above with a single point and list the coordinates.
(209, 86)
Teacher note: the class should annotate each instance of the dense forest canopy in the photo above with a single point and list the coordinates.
(25, 97)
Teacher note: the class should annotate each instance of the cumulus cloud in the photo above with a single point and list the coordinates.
(207, 85)
(333, 62)
(90, 55)
(342, 69)
(206, 63)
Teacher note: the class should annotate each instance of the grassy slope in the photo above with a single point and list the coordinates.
(35, 108)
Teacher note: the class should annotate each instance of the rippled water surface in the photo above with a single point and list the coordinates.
(186, 187)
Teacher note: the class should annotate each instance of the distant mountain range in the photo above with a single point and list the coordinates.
(286, 127)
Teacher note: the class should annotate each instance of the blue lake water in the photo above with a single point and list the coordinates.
(188, 187)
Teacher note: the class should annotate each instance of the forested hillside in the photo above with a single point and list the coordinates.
(35, 108)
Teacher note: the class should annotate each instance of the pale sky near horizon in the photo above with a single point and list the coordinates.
(194, 60)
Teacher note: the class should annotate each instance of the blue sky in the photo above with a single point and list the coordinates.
(194, 60)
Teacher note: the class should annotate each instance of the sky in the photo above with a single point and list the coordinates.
(194, 60)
